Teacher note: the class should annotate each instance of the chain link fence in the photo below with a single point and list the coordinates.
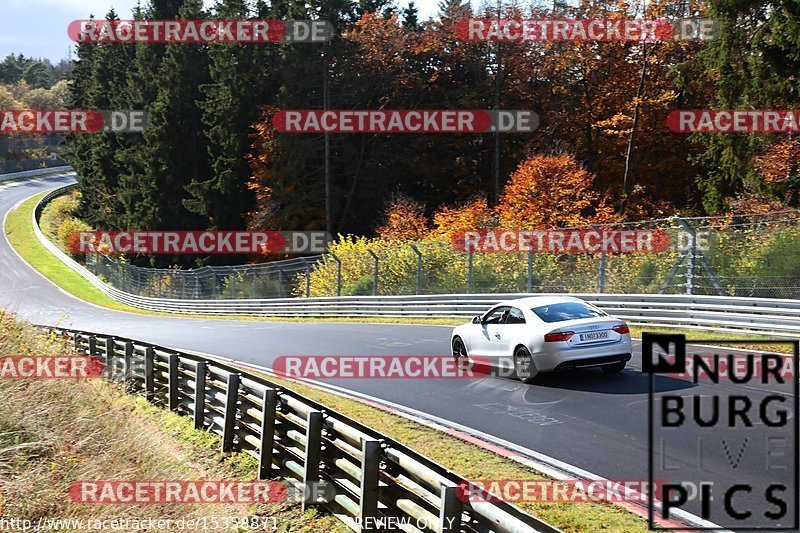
(745, 256)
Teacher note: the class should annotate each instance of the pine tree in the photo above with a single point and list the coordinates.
(753, 62)
(411, 16)
(239, 83)
(101, 78)
(176, 149)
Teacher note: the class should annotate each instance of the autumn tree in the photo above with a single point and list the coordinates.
(552, 191)
(404, 220)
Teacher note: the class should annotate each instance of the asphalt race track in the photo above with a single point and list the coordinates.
(590, 420)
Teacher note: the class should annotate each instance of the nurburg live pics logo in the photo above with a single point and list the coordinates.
(733, 429)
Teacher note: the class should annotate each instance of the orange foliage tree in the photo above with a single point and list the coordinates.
(474, 214)
(551, 191)
(404, 221)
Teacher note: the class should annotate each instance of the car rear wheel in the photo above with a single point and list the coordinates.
(616, 368)
(459, 350)
(524, 366)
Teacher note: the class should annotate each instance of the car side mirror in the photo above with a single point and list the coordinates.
(476, 319)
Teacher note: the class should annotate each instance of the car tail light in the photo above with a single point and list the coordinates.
(558, 336)
(621, 329)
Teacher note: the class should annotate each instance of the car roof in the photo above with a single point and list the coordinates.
(536, 301)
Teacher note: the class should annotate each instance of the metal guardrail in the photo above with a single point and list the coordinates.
(719, 313)
(366, 474)
(33, 173)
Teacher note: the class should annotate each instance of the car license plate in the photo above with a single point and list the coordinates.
(593, 336)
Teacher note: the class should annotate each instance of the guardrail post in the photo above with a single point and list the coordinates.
(313, 455)
(370, 468)
(530, 272)
(469, 273)
(200, 395)
(229, 424)
(268, 407)
(110, 358)
(449, 508)
(76, 342)
(92, 345)
(149, 375)
(375, 273)
(128, 360)
(419, 267)
(172, 403)
(338, 274)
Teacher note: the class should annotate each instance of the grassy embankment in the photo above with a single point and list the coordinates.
(54, 432)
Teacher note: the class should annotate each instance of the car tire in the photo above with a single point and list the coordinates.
(459, 349)
(524, 366)
(616, 368)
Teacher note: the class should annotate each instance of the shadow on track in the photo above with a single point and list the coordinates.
(594, 380)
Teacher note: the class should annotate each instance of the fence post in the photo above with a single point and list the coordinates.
(149, 377)
(229, 424)
(419, 267)
(313, 455)
(200, 395)
(128, 360)
(375, 274)
(370, 467)
(110, 358)
(172, 403)
(267, 433)
(530, 272)
(601, 275)
(449, 508)
(308, 279)
(281, 277)
(469, 273)
(255, 277)
(233, 284)
(338, 274)
(92, 345)
(690, 254)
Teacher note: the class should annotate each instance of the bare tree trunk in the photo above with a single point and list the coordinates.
(636, 109)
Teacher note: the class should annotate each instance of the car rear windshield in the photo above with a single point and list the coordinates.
(566, 311)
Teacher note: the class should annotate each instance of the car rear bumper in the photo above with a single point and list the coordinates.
(592, 361)
(571, 358)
